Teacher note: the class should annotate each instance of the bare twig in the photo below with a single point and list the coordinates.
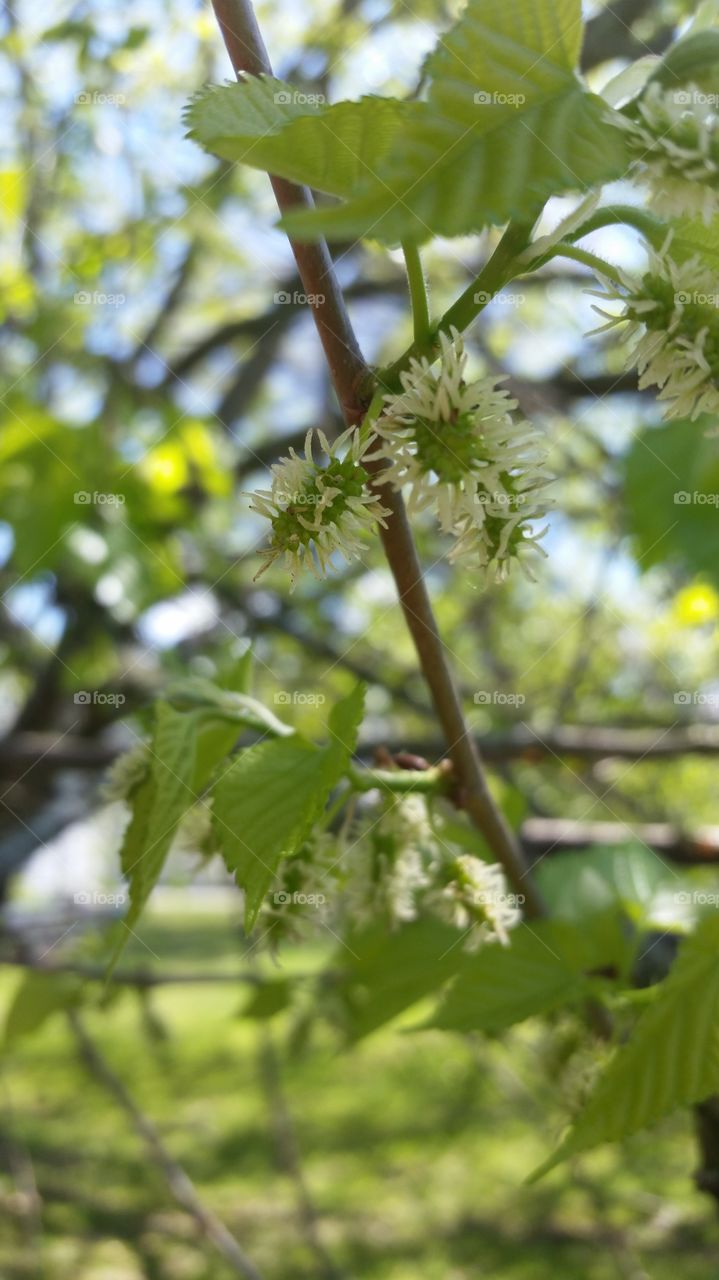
(542, 836)
(141, 978)
(289, 1153)
(179, 1183)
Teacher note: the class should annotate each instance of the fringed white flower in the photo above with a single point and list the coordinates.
(675, 138)
(455, 444)
(303, 897)
(316, 510)
(476, 898)
(125, 773)
(673, 315)
(389, 864)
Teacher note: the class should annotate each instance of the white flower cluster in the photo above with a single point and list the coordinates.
(477, 899)
(315, 510)
(675, 137)
(673, 318)
(455, 444)
(388, 863)
(400, 868)
(303, 897)
(125, 773)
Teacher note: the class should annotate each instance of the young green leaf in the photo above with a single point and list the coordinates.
(671, 1059)
(379, 975)
(671, 478)
(268, 800)
(543, 967)
(37, 998)
(158, 805)
(270, 125)
(268, 999)
(627, 877)
(506, 123)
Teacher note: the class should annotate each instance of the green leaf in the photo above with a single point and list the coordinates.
(579, 885)
(268, 800)
(671, 479)
(226, 704)
(270, 125)
(38, 996)
(344, 723)
(506, 123)
(694, 236)
(263, 810)
(688, 59)
(267, 999)
(379, 975)
(671, 1059)
(543, 967)
(158, 805)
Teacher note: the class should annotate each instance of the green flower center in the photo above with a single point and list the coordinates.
(344, 474)
(449, 449)
(700, 311)
(684, 133)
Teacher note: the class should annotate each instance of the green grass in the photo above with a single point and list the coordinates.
(414, 1148)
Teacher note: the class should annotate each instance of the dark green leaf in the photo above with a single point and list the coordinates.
(671, 1059)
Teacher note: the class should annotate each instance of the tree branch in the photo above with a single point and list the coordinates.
(543, 836)
(179, 1183)
(353, 384)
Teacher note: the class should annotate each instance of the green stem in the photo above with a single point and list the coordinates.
(398, 781)
(417, 290)
(589, 259)
(651, 227)
(496, 272)
(372, 414)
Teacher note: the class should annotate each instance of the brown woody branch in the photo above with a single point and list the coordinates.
(351, 379)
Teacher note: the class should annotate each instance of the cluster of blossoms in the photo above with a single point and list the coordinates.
(451, 443)
(399, 868)
(475, 898)
(389, 863)
(316, 510)
(455, 444)
(673, 315)
(304, 894)
(675, 137)
(125, 773)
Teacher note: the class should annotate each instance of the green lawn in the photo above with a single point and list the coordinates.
(414, 1149)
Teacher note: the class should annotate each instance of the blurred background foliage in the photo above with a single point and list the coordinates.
(152, 367)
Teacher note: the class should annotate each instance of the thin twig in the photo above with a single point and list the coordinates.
(289, 1153)
(353, 384)
(178, 1181)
